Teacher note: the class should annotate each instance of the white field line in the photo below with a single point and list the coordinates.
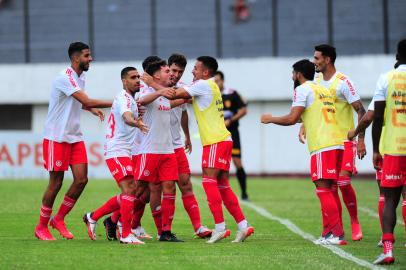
(295, 229)
(374, 214)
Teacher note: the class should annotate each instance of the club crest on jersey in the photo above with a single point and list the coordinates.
(227, 103)
(146, 173)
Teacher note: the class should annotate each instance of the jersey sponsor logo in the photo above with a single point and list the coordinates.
(146, 173)
(222, 160)
(204, 162)
(347, 164)
(314, 175)
(352, 90)
(331, 171)
(71, 80)
(164, 108)
(392, 177)
(58, 163)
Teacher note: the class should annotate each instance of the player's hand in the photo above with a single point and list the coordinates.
(302, 134)
(188, 146)
(266, 118)
(361, 149)
(377, 160)
(189, 101)
(227, 122)
(169, 93)
(98, 112)
(146, 78)
(351, 135)
(142, 126)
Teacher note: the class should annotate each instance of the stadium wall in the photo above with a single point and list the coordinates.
(264, 82)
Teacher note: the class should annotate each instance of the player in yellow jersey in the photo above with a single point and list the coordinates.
(217, 145)
(346, 100)
(314, 105)
(390, 111)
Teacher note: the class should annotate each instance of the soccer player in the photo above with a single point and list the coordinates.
(217, 145)
(63, 144)
(234, 109)
(390, 110)
(112, 223)
(362, 125)
(346, 99)
(157, 163)
(314, 105)
(121, 127)
(179, 118)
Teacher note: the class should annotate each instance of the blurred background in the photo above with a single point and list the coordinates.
(255, 41)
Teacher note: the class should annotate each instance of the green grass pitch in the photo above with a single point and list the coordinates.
(272, 246)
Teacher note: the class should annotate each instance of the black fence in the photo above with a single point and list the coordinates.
(40, 30)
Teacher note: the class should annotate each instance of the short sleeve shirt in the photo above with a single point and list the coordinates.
(63, 119)
(345, 89)
(232, 102)
(157, 117)
(120, 137)
(202, 93)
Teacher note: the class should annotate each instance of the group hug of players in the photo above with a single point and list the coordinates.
(144, 150)
(143, 143)
(324, 103)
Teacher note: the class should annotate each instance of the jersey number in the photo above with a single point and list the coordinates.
(111, 124)
(328, 116)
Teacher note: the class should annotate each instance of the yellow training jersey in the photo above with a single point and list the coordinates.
(211, 119)
(393, 137)
(320, 121)
(344, 110)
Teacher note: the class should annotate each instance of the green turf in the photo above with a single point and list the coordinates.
(273, 246)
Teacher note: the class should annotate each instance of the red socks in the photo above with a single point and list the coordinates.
(168, 210)
(388, 239)
(213, 198)
(126, 211)
(334, 190)
(157, 215)
(192, 208)
(110, 206)
(65, 208)
(329, 211)
(230, 200)
(404, 212)
(381, 204)
(44, 216)
(349, 197)
(139, 209)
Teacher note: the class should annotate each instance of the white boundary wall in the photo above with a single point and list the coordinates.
(264, 82)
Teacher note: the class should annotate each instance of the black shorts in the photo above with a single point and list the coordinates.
(235, 135)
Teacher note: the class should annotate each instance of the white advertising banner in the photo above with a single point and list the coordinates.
(21, 156)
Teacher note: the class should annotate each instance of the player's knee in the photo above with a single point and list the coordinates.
(171, 189)
(186, 187)
(55, 186)
(81, 182)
